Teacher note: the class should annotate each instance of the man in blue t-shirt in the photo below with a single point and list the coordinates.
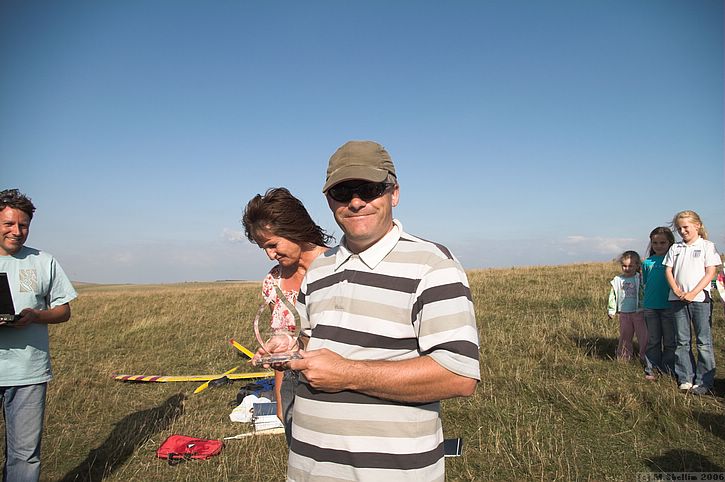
(41, 293)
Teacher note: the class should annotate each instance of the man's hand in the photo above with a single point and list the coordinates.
(27, 316)
(324, 369)
(57, 314)
(419, 379)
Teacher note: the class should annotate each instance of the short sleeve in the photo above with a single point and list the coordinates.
(445, 315)
(711, 256)
(670, 257)
(61, 289)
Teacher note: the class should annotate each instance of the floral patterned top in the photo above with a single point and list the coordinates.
(281, 316)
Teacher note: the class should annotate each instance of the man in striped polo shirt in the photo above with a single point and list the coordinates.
(390, 331)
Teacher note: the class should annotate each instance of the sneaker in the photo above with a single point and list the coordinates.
(685, 386)
(699, 390)
(650, 377)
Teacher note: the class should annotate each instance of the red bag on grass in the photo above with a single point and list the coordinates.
(181, 447)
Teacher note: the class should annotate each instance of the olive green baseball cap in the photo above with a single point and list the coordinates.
(366, 160)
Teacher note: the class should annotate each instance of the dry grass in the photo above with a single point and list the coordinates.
(552, 405)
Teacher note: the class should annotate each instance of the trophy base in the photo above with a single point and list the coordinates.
(278, 358)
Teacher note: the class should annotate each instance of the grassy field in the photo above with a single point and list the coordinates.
(552, 403)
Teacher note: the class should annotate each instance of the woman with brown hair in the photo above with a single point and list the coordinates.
(279, 224)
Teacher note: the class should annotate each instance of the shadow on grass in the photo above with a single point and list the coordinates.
(718, 388)
(602, 348)
(683, 461)
(130, 432)
(712, 422)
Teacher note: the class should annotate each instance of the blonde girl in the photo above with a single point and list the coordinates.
(661, 341)
(624, 299)
(690, 265)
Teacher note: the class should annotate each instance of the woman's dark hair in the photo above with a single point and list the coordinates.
(283, 215)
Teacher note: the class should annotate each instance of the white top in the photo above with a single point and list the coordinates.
(688, 263)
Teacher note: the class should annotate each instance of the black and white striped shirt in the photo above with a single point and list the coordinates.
(402, 298)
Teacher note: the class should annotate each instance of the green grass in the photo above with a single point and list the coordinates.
(552, 403)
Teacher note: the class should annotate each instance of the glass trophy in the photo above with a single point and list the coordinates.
(279, 344)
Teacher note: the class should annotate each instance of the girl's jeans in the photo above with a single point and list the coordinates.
(699, 314)
(661, 343)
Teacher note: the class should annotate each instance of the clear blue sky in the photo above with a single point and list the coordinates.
(524, 132)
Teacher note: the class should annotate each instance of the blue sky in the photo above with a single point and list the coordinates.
(523, 132)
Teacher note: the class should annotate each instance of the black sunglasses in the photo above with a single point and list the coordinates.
(366, 191)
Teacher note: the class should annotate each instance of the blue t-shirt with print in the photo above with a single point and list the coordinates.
(36, 281)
